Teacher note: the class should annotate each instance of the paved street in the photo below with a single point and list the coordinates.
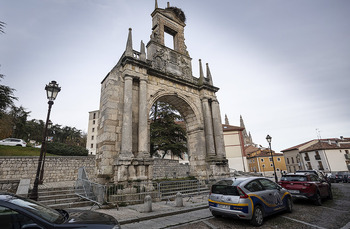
(332, 214)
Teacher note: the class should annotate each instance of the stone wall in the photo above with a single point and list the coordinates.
(57, 168)
(9, 185)
(164, 168)
(66, 168)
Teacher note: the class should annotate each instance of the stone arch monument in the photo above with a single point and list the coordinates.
(131, 88)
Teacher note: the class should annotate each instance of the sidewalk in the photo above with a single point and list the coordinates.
(134, 213)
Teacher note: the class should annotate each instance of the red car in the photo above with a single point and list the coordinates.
(306, 186)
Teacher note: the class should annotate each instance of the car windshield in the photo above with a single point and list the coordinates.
(44, 212)
(293, 178)
(226, 187)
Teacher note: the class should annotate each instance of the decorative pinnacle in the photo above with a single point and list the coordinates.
(201, 76)
(209, 75)
(129, 50)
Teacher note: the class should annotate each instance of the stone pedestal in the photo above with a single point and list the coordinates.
(133, 169)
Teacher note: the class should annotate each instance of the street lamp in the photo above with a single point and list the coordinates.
(49, 125)
(52, 90)
(269, 138)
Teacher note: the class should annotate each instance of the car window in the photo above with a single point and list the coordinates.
(44, 212)
(225, 190)
(293, 178)
(254, 186)
(12, 220)
(268, 185)
(314, 178)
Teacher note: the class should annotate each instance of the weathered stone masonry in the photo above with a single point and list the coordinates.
(56, 168)
(12, 169)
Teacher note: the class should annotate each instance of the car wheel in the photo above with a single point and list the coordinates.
(317, 199)
(289, 207)
(258, 216)
(330, 194)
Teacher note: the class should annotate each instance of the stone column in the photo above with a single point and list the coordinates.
(218, 132)
(126, 144)
(143, 118)
(208, 127)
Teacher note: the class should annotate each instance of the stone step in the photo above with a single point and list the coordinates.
(72, 205)
(60, 201)
(56, 196)
(62, 197)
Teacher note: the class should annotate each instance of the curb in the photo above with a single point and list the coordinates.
(149, 217)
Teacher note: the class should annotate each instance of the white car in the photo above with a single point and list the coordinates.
(13, 142)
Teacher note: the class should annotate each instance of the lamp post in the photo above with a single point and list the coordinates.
(49, 125)
(52, 90)
(269, 138)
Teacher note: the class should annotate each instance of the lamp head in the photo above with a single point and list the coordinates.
(268, 138)
(52, 90)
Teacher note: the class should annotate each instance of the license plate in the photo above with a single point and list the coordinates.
(223, 206)
(294, 191)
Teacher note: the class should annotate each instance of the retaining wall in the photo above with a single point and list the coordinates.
(60, 168)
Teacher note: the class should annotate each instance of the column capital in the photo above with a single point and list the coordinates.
(127, 77)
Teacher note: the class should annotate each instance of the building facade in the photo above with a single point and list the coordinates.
(327, 155)
(260, 161)
(91, 140)
(234, 147)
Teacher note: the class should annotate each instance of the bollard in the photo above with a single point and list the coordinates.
(179, 200)
(147, 206)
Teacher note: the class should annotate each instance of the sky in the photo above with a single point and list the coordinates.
(283, 65)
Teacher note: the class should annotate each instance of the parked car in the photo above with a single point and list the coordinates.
(320, 174)
(338, 178)
(18, 212)
(250, 198)
(13, 142)
(306, 186)
(331, 178)
(346, 177)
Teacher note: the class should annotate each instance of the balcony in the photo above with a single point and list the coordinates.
(307, 158)
(347, 156)
(317, 157)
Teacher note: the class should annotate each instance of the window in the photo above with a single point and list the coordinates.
(320, 165)
(94, 116)
(263, 166)
(347, 151)
(268, 185)
(277, 169)
(13, 219)
(93, 122)
(287, 160)
(93, 129)
(92, 137)
(271, 165)
(262, 159)
(92, 146)
(278, 159)
(292, 160)
(309, 167)
(270, 159)
(254, 186)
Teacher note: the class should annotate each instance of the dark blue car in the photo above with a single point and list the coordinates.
(18, 212)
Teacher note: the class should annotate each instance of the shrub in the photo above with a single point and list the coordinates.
(66, 150)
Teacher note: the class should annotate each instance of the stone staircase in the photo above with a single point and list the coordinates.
(62, 197)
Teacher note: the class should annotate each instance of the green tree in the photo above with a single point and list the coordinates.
(166, 134)
(6, 97)
(19, 119)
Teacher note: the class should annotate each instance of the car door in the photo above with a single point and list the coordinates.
(272, 195)
(322, 186)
